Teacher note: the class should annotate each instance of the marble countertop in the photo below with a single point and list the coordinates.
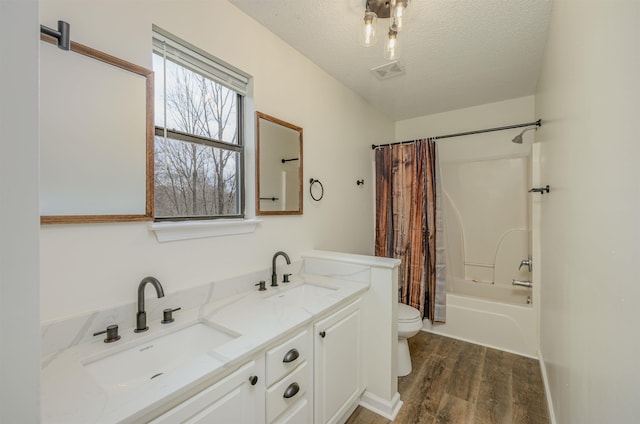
(71, 395)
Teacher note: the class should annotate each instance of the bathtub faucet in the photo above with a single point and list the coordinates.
(523, 283)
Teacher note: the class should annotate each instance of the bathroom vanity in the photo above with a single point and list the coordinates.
(278, 386)
(302, 352)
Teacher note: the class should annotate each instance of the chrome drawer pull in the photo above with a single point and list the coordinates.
(291, 391)
(291, 356)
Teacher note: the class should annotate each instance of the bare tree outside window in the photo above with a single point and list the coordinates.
(197, 159)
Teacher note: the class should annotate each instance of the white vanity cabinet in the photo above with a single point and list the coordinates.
(289, 381)
(230, 400)
(338, 364)
(313, 376)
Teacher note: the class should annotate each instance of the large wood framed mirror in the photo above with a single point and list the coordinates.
(278, 166)
(96, 131)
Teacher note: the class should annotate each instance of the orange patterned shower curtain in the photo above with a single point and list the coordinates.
(409, 223)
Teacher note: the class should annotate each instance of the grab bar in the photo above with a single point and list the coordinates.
(523, 283)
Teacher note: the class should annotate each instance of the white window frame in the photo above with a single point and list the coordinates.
(170, 229)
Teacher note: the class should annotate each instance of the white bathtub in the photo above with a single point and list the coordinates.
(499, 325)
(515, 295)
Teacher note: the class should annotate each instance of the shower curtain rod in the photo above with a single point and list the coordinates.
(537, 123)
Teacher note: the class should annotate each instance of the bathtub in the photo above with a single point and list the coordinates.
(515, 295)
(494, 324)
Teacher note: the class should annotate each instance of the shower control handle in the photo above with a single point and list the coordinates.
(526, 262)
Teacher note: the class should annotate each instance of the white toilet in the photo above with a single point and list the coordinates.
(409, 324)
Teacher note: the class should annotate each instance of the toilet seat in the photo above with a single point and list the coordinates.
(407, 314)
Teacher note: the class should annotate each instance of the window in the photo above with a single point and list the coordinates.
(199, 148)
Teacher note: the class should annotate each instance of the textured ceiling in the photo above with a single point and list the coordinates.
(457, 53)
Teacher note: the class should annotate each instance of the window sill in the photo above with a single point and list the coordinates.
(173, 231)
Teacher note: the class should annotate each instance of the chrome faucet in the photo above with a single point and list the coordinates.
(274, 274)
(141, 316)
(522, 283)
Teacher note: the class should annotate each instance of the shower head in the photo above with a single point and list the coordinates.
(518, 139)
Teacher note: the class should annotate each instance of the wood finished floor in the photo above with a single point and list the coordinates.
(464, 383)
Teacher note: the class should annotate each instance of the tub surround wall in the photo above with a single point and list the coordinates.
(587, 96)
(91, 267)
(486, 217)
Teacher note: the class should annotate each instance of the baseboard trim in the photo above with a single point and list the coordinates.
(345, 416)
(382, 407)
(547, 391)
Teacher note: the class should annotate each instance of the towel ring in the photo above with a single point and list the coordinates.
(313, 181)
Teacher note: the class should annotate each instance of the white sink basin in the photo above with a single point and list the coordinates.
(301, 295)
(137, 365)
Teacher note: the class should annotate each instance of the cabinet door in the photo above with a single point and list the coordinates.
(337, 364)
(231, 400)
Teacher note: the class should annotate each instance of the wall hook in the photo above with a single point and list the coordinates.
(360, 182)
(540, 190)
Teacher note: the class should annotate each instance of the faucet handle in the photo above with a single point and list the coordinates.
(167, 315)
(112, 334)
(261, 285)
(526, 262)
(285, 278)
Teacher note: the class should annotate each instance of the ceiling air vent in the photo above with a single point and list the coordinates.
(389, 70)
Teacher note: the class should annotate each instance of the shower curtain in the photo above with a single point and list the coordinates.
(409, 223)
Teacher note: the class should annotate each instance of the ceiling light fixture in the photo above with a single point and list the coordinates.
(391, 47)
(395, 11)
(370, 23)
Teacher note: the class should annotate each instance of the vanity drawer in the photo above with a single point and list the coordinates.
(300, 413)
(287, 356)
(287, 391)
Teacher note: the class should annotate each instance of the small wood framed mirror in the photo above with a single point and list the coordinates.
(278, 166)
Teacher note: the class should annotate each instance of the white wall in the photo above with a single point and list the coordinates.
(588, 99)
(19, 300)
(489, 115)
(85, 267)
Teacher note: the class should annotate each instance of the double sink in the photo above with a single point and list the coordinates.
(119, 371)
